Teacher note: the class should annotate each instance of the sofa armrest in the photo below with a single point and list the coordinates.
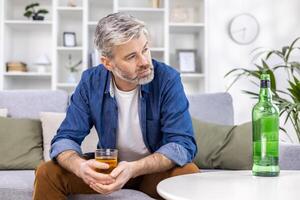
(289, 156)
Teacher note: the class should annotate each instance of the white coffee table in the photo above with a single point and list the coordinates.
(231, 185)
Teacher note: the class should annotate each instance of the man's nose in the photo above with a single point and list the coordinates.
(142, 61)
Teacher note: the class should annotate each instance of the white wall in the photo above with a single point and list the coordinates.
(279, 25)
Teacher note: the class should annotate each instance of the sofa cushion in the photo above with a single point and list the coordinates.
(289, 156)
(16, 184)
(223, 146)
(20, 143)
(212, 107)
(124, 194)
(51, 122)
(3, 112)
(29, 103)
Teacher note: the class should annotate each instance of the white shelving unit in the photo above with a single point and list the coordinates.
(27, 74)
(26, 22)
(25, 40)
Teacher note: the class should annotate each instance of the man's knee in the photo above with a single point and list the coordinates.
(150, 181)
(189, 168)
(48, 169)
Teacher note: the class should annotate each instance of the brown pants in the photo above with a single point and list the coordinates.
(54, 182)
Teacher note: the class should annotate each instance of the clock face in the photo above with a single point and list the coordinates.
(243, 29)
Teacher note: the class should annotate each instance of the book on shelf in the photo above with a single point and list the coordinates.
(16, 67)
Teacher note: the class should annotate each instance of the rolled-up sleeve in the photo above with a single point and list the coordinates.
(178, 144)
(175, 152)
(77, 123)
(63, 145)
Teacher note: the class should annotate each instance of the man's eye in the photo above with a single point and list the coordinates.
(130, 57)
(145, 50)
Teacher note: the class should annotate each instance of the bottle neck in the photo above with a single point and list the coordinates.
(265, 94)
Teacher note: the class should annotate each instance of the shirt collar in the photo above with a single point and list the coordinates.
(145, 88)
(109, 89)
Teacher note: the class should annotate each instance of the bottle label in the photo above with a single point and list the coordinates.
(265, 84)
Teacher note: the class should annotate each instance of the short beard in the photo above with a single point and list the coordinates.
(139, 81)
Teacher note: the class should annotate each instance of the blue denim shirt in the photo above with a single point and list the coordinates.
(163, 111)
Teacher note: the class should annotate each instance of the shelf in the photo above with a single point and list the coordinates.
(61, 48)
(185, 27)
(29, 25)
(67, 85)
(192, 75)
(27, 74)
(138, 9)
(28, 22)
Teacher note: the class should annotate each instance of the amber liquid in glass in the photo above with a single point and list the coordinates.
(111, 161)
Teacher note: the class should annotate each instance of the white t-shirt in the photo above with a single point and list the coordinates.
(130, 143)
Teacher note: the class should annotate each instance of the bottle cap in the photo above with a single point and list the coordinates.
(264, 76)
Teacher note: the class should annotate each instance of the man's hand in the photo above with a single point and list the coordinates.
(122, 173)
(89, 174)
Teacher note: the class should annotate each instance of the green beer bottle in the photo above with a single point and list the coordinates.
(265, 128)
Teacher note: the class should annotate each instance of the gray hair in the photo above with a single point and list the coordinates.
(116, 29)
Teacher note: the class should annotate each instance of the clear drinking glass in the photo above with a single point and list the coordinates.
(108, 156)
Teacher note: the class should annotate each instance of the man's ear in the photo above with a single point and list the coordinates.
(106, 62)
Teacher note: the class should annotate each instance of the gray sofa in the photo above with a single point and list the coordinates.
(18, 184)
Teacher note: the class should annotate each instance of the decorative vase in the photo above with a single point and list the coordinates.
(72, 3)
(155, 3)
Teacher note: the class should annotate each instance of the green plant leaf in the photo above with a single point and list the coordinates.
(289, 111)
(294, 89)
(284, 92)
(295, 66)
(284, 50)
(253, 94)
(273, 80)
(265, 66)
(28, 13)
(234, 70)
(291, 48)
(260, 69)
(42, 11)
(254, 83)
(280, 66)
(275, 52)
(31, 6)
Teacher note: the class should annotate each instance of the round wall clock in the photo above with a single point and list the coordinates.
(243, 28)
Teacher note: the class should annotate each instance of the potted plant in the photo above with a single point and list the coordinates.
(288, 101)
(73, 69)
(30, 11)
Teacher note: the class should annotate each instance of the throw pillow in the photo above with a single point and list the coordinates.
(223, 146)
(51, 122)
(20, 143)
(3, 112)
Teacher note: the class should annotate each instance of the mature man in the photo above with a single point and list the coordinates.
(137, 106)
